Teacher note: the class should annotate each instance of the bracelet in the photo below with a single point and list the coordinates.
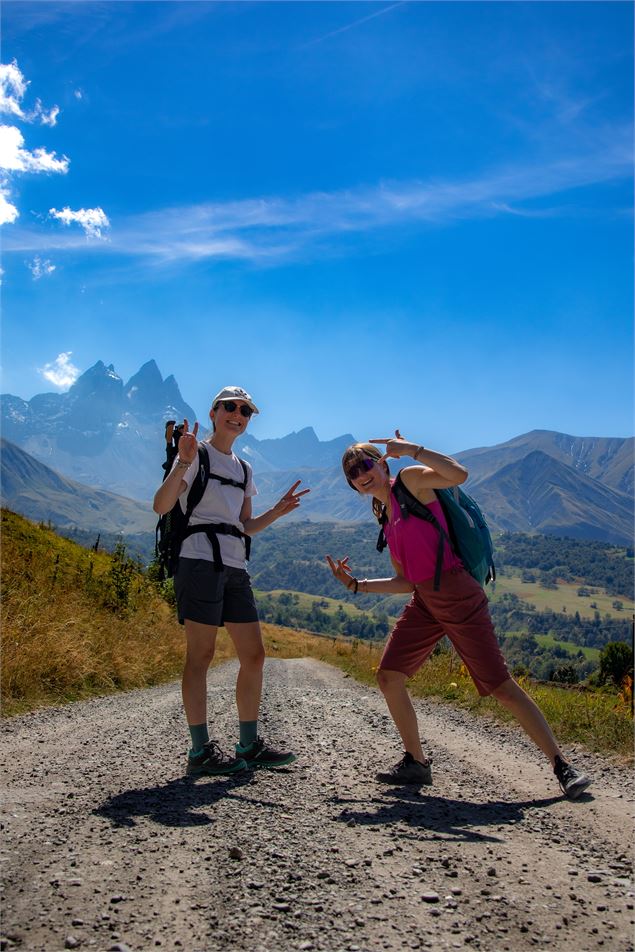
(417, 451)
(181, 464)
(354, 585)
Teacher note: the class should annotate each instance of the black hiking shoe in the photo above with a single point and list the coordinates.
(408, 770)
(257, 754)
(573, 782)
(211, 761)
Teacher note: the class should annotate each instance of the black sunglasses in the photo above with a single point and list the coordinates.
(230, 406)
(359, 468)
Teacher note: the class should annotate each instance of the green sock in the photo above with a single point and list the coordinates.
(199, 737)
(248, 732)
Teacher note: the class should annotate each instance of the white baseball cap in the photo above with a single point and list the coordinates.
(235, 393)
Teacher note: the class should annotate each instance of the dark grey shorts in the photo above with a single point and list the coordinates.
(210, 597)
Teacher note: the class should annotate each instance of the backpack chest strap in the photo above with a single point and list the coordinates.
(212, 530)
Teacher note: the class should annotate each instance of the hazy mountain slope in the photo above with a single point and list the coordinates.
(540, 494)
(36, 491)
(607, 459)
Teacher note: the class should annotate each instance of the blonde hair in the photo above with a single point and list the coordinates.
(357, 452)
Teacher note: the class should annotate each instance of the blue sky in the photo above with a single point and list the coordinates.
(370, 215)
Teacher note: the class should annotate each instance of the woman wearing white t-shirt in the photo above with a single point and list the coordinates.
(212, 585)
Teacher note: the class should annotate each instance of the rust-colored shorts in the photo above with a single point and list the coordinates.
(459, 610)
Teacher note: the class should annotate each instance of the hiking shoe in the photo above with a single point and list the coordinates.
(257, 754)
(573, 782)
(212, 761)
(408, 770)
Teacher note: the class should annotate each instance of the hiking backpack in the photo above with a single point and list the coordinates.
(468, 534)
(173, 527)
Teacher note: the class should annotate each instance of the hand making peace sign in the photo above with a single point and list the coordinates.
(188, 443)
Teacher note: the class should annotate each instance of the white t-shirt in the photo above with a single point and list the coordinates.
(219, 504)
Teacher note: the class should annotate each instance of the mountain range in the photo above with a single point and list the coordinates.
(75, 455)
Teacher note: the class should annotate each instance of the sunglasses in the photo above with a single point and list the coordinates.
(230, 406)
(358, 469)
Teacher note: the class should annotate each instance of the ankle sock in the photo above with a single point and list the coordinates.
(248, 732)
(199, 736)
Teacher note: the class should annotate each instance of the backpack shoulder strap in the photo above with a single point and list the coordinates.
(201, 479)
(245, 471)
(410, 505)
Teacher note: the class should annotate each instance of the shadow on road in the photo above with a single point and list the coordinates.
(448, 819)
(175, 803)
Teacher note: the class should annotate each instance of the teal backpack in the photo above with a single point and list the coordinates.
(468, 534)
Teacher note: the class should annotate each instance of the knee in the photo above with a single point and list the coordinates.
(389, 681)
(253, 660)
(199, 659)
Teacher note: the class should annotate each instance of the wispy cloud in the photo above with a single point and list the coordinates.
(351, 26)
(275, 229)
(60, 372)
(40, 268)
(93, 220)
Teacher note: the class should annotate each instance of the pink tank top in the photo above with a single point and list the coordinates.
(413, 543)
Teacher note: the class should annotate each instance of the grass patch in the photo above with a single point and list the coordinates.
(565, 596)
(548, 641)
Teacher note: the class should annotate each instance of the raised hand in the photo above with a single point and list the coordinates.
(341, 571)
(188, 443)
(396, 447)
(290, 500)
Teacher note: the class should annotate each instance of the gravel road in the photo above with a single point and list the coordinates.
(107, 846)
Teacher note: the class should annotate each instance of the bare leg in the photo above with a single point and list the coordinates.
(247, 640)
(201, 643)
(393, 686)
(529, 716)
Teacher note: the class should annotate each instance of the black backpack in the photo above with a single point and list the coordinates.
(469, 536)
(173, 527)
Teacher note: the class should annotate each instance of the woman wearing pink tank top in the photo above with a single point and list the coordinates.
(458, 608)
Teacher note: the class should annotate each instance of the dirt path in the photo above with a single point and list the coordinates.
(107, 846)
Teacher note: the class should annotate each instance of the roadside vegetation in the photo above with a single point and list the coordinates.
(78, 623)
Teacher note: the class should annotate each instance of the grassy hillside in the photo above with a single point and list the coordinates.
(78, 623)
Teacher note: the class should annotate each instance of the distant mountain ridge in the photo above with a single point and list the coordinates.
(607, 459)
(102, 432)
(109, 434)
(538, 493)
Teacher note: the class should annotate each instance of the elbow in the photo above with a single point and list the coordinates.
(461, 475)
(157, 507)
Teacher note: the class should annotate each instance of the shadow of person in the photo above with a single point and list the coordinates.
(177, 802)
(443, 818)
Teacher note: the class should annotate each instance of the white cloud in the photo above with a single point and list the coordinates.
(92, 220)
(60, 372)
(8, 211)
(13, 87)
(47, 118)
(39, 268)
(78, 94)
(14, 158)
